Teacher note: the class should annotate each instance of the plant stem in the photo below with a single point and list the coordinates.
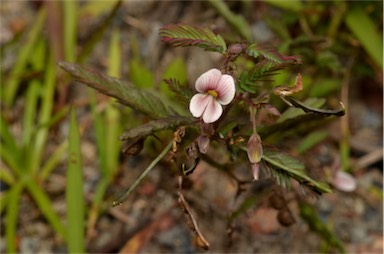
(141, 177)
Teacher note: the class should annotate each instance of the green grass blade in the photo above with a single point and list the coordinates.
(8, 139)
(114, 69)
(6, 176)
(10, 152)
(70, 8)
(365, 30)
(94, 212)
(112, 115)
(4, 199)
(311, 140)
(99, 127)
(74, 192)
(44, 116)
(98, 33)
(34, 88)
(11, 160)
(30, 111)
(12, 84)
(292, 5)
(12, 215)
(53, 161)
(113, 144)
(45, 206)
(237, 22)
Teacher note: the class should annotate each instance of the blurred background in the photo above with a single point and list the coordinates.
(340, 43)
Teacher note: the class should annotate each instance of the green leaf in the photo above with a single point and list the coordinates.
(182, 93)
(366, 32)
(186, 35)
(14, 198)
(98, 32)
(310, 215)
(45, 206)
(176, 70)
(156, 125)
(295, 169)
(125, 92)
(324, 87)
(265, 51)
(313, 110)
(291, 5)
(294, 112)
(311, 140)
(260, 72)
(74, 191)
(13, 81)
(237, 22)
(114, 61)
(44, 117)
(139, 74)
(70, 29)
(301, 122)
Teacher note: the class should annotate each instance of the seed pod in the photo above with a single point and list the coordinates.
(277, 201)
(285, 217)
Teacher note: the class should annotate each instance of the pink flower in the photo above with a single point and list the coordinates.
(215, 90)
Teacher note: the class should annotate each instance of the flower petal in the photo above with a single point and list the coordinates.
(213, 111)
(208, 80)
(344, 181)
(198, 104)
(226, 89)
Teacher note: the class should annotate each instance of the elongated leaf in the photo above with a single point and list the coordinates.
(45, 206)
(303, 122)
(293, 112)
(260, 72)
(265, 51)
(185, 35)
(12, 83)
(156, 125)
(182, 93)
(310, 110)
(74, 191)
(364, 28)
(295, 169)
(70, 17)
(176, 70)
(125, 92)
(311, 140)
(310, 215)
(237, 22)
(14, 196)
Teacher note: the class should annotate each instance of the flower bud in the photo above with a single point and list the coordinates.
(255, 171)
(254, 148)
(203, 143)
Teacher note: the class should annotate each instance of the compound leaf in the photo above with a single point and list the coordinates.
(144, 130)
(186, 35)
(125, 92)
